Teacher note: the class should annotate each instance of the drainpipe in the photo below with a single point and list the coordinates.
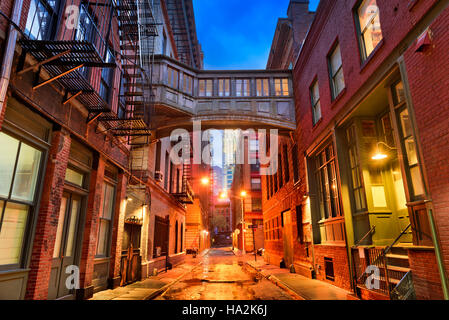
(8, 56)
(438, 256)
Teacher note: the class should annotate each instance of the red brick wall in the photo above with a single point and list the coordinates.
(118, 226)
(426, 278)
(89, 242)
(288, 197)
(429, 85)
(341, 268)
(47, 223)
(427, 74)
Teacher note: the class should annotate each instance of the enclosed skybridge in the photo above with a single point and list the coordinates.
(258, 99)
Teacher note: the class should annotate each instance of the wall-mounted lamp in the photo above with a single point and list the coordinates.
(379, 155)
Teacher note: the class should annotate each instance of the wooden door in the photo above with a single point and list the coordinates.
(287, 237)
(66, 245)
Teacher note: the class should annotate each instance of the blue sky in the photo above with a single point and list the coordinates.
(237, 34)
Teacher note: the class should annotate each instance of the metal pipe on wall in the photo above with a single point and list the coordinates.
(8, 55)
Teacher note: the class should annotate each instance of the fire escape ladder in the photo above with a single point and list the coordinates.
(136, 27)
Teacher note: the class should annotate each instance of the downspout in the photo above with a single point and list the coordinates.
(8, 56)
(438, 256)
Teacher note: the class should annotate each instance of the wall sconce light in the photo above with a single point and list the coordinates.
(381, 155)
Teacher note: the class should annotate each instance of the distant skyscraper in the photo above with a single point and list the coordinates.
(229, 149)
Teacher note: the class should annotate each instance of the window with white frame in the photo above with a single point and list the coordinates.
(315, 99)
(105, 219)
(369, 29)
(336, 72)
(20, 166)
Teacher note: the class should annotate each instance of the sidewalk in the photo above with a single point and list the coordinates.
(302, 287)
(153, 286)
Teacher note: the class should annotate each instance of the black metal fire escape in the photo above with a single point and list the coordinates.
(137, 27)
(68, 54)
(81, 58)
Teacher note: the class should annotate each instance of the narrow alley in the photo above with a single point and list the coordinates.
(224, 276)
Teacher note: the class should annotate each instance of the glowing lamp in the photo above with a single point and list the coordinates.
(205, 181)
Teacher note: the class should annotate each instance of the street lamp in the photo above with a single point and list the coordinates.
(205, 181)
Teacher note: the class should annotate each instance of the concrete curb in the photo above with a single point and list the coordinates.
(162, 290)
(278, 282)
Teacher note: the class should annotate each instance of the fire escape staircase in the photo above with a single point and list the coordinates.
(76, 58)
(185, 193)
(136, 24)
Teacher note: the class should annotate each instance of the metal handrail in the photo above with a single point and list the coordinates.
(372, 230)
(387, 249)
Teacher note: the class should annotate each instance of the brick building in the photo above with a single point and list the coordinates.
(85, 185)
(369, 148)
(287, 229)
(247, 179)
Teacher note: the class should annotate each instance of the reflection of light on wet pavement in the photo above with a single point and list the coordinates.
(223, 277)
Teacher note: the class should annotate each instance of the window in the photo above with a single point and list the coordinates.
(19, 171)
(242, 88)
(369, 29)
(256, 204)
(326, 179)
(173, 77)
(86, 26)
(85, 32)
(262, 88)
(206, 88)
(107, 78)
(187, 84)
(40, 17)
(281, 87)
(255, 183)
(329, 268)
(75, 177)
(295, 163)
(411, 153)
(316, 105)
(105, 219)
(336, 72)
(358, 190)
(164, 44)
(224, 87)
(286, 167)
(280, 171)
(267, 181)
(299, 225)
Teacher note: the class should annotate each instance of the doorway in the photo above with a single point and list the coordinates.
(130, 268)
(287, 237)
(66, 245)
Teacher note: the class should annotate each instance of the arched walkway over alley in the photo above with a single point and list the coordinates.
(220, 99)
